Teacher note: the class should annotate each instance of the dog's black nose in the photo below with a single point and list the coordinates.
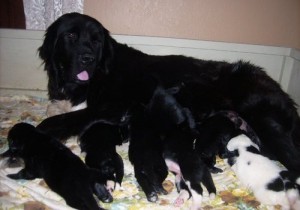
(86, 58)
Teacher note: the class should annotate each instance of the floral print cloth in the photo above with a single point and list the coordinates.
(34, 194)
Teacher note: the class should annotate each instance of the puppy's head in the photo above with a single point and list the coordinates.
(74, 47)
(19, 136)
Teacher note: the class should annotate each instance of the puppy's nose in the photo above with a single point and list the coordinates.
(86, 58)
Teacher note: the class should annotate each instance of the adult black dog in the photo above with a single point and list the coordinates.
(84, 62)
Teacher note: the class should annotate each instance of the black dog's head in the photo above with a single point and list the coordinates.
(18, 137)
(75, 46)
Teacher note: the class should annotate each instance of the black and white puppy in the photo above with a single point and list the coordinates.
(63, 171)
(189, 169)
(177, 126)
(99, 141)
(269, 182)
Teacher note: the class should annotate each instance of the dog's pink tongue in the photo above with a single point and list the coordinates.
(83, 76)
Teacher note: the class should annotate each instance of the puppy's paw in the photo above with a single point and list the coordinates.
(293, 198)
(160, 190)
(212, 196)
(180, 200)
(13, 176)
(152, 197)
(102, 193)
(110, 186)
(117, 186)
(215, 170)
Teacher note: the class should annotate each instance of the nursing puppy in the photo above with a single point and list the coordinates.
(145, 154)
(62, 170)
(99, 141)
(177, 127)
(189, 169)
(269, 182)
(214, 134)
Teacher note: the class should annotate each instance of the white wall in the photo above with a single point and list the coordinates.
(267, 22)
(21, 71)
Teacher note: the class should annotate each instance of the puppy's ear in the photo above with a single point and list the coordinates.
(107, 53)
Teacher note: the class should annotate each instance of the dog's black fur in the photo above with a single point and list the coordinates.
(120, 76)
(179, 151)
(99, 142)
(165, 124)
(215, 133)
(62, 170)
(145, 154)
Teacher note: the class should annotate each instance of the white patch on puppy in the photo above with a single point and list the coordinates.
(79, 106)
(183, 196)
(260, 174)
(197, 198)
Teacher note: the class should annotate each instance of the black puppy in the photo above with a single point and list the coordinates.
(214, 134)
(62, 170)
(99, 141)
(145, 154)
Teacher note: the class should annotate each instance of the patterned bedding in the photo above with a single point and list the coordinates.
(35, 194)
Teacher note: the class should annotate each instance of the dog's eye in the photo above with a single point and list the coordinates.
(71, 36)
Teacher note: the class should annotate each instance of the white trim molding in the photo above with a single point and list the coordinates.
(21, 70)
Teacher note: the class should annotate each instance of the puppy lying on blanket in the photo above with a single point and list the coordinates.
(62, 170)
(269, 182)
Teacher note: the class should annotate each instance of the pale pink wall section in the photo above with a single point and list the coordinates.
(264, 22)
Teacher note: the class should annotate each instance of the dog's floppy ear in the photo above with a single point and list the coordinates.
(46, 51)
(107, 53)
